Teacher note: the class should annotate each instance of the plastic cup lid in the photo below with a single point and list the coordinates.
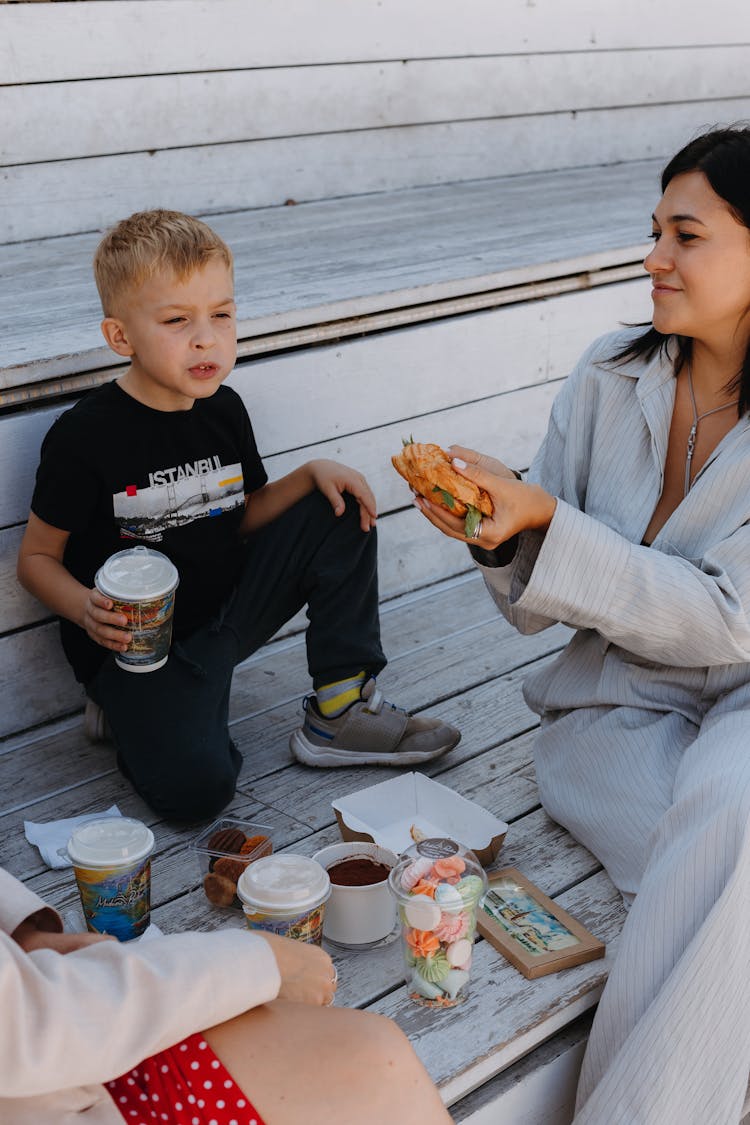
(110, 842)
(284, 882)
(421, 858)
(137, 575)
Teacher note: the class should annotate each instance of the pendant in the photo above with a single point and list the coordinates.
(689, 457)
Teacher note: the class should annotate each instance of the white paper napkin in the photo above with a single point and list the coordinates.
(52, 837)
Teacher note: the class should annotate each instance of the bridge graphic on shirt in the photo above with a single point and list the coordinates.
(146, 513)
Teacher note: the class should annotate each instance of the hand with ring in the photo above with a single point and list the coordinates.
(517, 506)
(334, 985)
(308, 974)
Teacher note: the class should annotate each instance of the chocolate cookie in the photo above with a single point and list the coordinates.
(226, 840)
(253, 843)
(219, 891)
(229, 868)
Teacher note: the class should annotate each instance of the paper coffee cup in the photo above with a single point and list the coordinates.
(141, 583)
(112, 865)
(286, 895)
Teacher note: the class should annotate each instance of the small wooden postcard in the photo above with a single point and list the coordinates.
(530, 930)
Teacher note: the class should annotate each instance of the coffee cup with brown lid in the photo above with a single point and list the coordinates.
(361, 910)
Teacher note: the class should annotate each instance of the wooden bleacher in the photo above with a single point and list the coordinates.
(471, 197)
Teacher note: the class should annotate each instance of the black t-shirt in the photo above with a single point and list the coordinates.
(115, 473)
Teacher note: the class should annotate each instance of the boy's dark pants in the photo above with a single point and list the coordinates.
(171, 726)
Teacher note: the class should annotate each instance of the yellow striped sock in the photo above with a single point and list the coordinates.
(333, 699)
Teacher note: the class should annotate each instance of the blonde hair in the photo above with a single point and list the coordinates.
(148, 242)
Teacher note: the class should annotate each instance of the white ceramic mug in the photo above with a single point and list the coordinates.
(358, 915)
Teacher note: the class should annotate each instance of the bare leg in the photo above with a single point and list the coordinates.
(326, 1066)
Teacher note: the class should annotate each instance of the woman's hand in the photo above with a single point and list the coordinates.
(102, 625)
(517, 506)
(482, 460)
(333, 480)
(307, 972)
(30, 937)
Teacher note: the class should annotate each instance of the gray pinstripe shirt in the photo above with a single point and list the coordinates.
(665, 626)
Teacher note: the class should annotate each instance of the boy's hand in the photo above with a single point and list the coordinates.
(333, 480)
(102, 625)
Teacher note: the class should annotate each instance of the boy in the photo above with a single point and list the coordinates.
(246, 565)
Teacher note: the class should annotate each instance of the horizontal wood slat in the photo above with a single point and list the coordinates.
(316, 263)
(101, 38)
(53, 122)
(380, 380)
(65, 197)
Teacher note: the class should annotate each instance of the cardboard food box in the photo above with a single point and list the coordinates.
(386, 814)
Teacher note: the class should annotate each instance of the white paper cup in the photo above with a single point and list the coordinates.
(286, 895)
(141, 584)
(112, 865)
(358, 915)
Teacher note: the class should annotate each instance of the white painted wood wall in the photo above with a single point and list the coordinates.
(215, 106)
(109, 106)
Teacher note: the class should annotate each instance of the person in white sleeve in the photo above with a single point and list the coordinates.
(101, 1032)
(633, 527)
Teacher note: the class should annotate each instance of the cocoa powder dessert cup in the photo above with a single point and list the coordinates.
(112, 865)
(141, 584)
(361, 911)
(438, 885)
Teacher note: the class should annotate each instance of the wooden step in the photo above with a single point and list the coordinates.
(344, 259)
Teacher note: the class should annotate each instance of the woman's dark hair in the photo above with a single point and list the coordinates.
(723, 156)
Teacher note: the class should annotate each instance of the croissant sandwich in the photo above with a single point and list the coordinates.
(428, 470)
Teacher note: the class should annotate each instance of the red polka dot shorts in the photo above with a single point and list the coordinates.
(185, 1085)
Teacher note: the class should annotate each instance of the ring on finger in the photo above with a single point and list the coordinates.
(478, 530)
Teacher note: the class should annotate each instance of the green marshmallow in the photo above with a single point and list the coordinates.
(433, 969)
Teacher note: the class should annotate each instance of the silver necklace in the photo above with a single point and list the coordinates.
(694, 428)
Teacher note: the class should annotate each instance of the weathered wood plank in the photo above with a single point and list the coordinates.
(63, 777)
(48, 121)
(505, 1015)
(523, 417)
(463, 664)
(180, 904)
(411, 555)
(106, 38)
(64, 197)
(21, 438)
(487, 715)
(287, 260)
(363, 978)
(37, 683)
(276, 674)
(358, 386)
(523, 414)
(17, 608)
(540, 1089)
(265, 717)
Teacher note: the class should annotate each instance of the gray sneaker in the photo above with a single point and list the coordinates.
(371, 732)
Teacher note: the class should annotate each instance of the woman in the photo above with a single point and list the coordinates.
(105, 1032)
(633, 528)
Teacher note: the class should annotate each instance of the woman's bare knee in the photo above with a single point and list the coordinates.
(326, 1066)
